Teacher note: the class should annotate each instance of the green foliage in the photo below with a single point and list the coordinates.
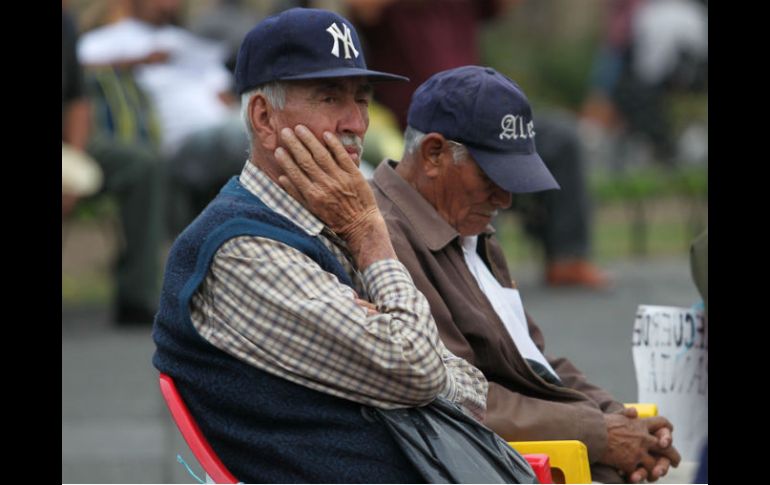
(87, 287)
(548, 47)
(650, 183)
(670, 223)
(95, 208)
(563, 74)
(684, 108)
(552, 75)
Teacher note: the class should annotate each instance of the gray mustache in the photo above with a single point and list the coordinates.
(352, 141)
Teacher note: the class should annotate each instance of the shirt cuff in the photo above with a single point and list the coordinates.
(466, 386)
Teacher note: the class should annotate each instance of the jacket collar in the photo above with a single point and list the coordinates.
(434, 231)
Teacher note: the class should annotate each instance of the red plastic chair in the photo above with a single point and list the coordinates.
(217, 470)
(192, 434)
(541, 465)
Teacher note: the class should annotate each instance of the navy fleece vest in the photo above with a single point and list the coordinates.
(264, 428)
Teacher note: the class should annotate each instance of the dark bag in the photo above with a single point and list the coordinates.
(447, 446)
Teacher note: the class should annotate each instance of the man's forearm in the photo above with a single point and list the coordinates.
(389, 359)
(517, 416)
(371, 242)
(465, 384)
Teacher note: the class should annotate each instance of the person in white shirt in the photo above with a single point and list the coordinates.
(185, 78)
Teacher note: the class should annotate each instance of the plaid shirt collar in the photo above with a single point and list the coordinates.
(259, 184)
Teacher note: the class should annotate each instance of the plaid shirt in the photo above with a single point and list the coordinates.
(273, 307)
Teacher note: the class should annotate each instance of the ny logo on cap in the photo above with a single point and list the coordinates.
(346, 39)
(512, 123)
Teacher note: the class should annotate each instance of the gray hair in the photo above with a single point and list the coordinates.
(274, 92)
(413, 138)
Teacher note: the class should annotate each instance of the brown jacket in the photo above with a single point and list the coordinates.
(521, 406)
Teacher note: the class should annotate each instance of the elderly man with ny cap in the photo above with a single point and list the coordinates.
(470, 143)
(285, 312)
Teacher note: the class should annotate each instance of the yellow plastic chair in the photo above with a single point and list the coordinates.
(645, 409)
(569, 458)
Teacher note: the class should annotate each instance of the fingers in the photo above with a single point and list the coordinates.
(641, 448)
(649, 468)
(661, 428)
(289, 187)
(318, 151)
(630, 413)
(371, 309)
(340, 198)
(339, 152)
(648, 440)
(301, 155)
(648, 462)
(642, 473)
(638, 475)
(661, 468)
(657, 422)
(671, 454)
(664, 437)
(295, 181)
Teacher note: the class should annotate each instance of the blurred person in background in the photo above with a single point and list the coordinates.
(185, 79)
(80, 174)
(651, 48)
(228, 21)
(130, 173)
(459, 168)
(423, 37)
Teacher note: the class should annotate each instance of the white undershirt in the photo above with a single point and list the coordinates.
(505, 301)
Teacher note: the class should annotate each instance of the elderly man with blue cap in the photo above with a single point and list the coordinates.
(469, 144)
(285, 311)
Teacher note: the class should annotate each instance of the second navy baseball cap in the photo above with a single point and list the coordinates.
(490, 115)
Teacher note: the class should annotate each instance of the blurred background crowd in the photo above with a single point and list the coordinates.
(151, 127)
(619, 89)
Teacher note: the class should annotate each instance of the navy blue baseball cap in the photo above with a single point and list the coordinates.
(302, 43)
(489, 114)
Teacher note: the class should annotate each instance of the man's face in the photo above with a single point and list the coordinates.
(338, 105)
(466, 198)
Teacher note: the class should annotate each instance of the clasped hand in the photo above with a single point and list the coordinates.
(641, 448)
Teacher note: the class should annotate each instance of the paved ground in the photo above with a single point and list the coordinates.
(115, 427)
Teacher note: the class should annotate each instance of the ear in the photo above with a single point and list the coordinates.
(434, 154)
(262, 119)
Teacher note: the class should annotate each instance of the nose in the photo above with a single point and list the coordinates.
(500, 198)
(355, 119)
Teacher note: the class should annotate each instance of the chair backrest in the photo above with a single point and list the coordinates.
(192, 434)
